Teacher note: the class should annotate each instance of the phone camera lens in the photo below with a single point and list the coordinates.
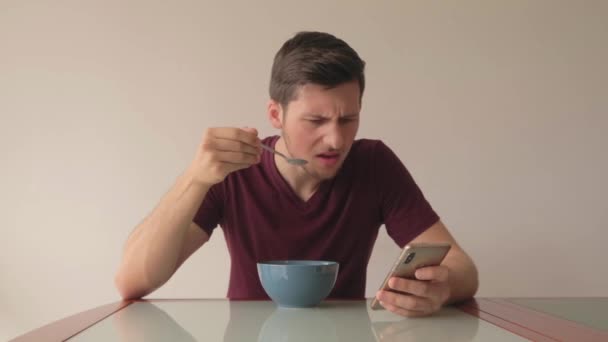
(409, 258)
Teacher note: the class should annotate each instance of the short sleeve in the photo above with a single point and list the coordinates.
(405, 211)
(211, 210)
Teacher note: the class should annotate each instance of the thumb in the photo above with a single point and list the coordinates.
(250, 130)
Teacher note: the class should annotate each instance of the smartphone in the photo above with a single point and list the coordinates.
(413, 257)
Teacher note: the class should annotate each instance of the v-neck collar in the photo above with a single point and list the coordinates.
(287, 190)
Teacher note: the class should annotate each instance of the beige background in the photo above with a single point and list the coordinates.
(499, 109)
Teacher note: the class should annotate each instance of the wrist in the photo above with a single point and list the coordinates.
(193, 180)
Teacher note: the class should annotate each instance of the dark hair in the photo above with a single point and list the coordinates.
(313, 57)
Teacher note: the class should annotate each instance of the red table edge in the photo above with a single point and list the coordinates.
(530, 323)
(519, 320)
(68, 327)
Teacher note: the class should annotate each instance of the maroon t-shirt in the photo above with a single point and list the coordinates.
(264, 219)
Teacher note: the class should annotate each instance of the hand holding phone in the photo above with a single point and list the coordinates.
(413, 257)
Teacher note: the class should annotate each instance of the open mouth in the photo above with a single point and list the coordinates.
(328, 155)
(328, 158)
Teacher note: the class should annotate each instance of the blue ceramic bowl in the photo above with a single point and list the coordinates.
(298, 283)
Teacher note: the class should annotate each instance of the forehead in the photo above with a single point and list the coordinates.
(318, 99)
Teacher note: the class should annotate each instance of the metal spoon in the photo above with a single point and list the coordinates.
(292, 161)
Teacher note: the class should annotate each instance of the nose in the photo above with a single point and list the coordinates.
(334, 137)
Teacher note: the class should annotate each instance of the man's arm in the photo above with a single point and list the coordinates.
(167, 237)
(453, 281)
(163, 241)
(463, 278)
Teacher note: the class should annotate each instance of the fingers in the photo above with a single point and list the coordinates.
(406, 302)
(248, 136)
(251, 130)
(237, 157)
(231, 167)
(403, 312)
(415, 287)
(232, 145)
(437, 273)
(412, 297)
(225, 150)
(226, 145)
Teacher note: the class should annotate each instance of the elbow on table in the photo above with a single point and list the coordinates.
(128, 290)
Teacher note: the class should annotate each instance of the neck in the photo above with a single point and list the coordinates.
(302, 183)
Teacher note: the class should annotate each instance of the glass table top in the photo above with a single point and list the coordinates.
(223, 320)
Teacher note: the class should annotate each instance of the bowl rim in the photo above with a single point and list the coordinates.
(298, 263)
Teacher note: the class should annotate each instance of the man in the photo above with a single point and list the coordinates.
(329, 209)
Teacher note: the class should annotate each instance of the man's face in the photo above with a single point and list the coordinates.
(320, 126)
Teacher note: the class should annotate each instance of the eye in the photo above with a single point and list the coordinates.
(348, 120)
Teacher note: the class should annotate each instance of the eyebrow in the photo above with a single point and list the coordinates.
(322, 116)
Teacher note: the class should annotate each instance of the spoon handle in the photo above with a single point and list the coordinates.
(270, 149)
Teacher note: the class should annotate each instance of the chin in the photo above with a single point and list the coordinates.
(326, 174)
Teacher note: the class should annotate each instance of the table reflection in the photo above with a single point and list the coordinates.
(330, 321)
(145, 321)
(344, 321)
(446, 325)
(263, 321)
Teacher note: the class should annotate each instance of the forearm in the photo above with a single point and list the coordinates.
(463, 278)
(153, 249)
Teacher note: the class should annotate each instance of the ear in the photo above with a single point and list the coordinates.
(275, 114)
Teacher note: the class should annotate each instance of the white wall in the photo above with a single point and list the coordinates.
(497, 108)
